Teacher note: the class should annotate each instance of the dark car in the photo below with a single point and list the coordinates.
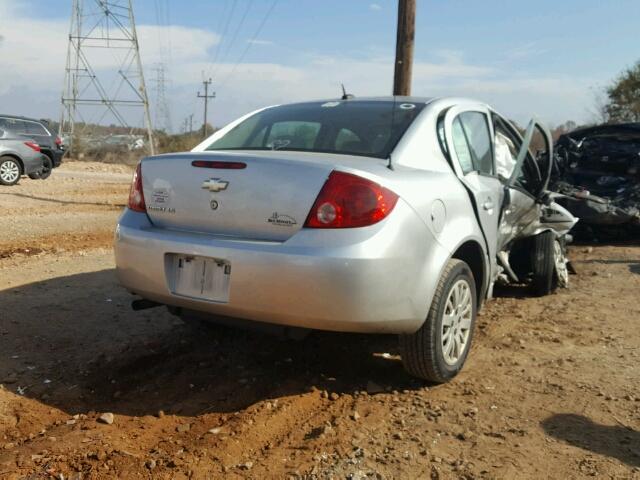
(598, 171)
(38, 130)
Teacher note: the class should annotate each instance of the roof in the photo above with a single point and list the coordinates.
(18, 117)
(388, 98)
(606, 129)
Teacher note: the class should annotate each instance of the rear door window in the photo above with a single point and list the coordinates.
(461, 146)
(476, 129)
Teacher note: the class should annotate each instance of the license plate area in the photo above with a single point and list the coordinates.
(201, 278)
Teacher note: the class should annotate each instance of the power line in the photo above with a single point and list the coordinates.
(250, 43)
(224, 33)
(235, 35)
(167, 12)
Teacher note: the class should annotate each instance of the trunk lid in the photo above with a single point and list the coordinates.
(269, 199)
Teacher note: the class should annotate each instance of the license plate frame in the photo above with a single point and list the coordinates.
(200, 277)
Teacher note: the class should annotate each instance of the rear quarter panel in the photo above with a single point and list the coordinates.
(423, 177)
(30, 159)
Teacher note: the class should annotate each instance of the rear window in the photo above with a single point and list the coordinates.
(34, 128)
(367, 128)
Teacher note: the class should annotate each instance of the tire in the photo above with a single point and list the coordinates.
(424, 353)
(543, 264)
(10, 171)
(47, 166)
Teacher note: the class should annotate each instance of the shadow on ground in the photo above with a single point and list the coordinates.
(64, 202)
(613, 441)
(634, 265)
(74, 343)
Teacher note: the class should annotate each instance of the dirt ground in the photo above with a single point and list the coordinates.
(550, 389)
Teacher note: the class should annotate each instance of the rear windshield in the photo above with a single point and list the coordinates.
(367, 128)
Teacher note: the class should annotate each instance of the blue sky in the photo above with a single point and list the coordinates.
(544, 58)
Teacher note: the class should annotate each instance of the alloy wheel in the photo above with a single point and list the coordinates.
(560, 261)
(9, 171)
(456, 322)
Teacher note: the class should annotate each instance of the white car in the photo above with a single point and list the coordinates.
(380, 215)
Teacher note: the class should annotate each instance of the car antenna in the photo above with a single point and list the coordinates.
(345, 95)
(393, 121)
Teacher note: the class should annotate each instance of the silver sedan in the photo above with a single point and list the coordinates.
(379, 215)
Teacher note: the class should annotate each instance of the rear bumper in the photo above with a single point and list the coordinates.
(378, 279)
(57, 156)
(33, 164)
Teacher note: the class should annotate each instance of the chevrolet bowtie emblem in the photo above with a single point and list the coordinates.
(215, 185)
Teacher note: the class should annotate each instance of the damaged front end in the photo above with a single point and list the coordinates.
(597, 174)
(523, 245)
(534, 227)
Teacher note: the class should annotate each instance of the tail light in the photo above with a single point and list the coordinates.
(58, 141)
(348, 201)
(33, 146)
(136, 196)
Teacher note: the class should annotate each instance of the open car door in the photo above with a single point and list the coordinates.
(528, 209)
(525, 177)
(536, 138)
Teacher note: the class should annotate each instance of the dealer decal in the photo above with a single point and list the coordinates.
(282, 220)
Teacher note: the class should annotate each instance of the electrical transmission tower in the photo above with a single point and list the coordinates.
(162, 113)
(104, 80)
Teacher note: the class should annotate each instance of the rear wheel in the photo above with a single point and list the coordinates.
(47, 166)
(438, 350)
(545, 280)
(9, 171)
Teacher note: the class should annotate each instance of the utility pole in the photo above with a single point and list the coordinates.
(206, 98)
(92, 95)
(404, 47)
(190, 124)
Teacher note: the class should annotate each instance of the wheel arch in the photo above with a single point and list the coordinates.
(472, 253)
(48, 153)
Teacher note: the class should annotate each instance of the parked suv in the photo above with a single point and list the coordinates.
(21, 155)
(38, 130)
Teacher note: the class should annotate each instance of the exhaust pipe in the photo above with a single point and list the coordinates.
(143, 304)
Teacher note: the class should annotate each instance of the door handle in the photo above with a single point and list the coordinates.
(488, 205)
